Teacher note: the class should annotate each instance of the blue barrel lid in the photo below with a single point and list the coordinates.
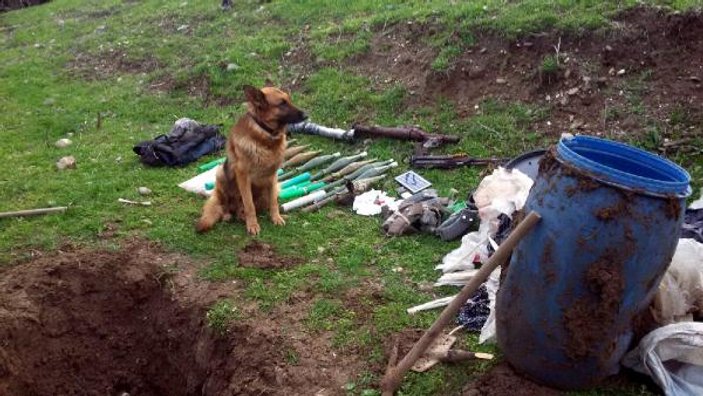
(625, 166)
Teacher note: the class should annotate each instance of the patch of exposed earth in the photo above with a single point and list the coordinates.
(133, 320)
(641, 76)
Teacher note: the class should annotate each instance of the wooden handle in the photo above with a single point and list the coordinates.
(33, 212)
(394, 375)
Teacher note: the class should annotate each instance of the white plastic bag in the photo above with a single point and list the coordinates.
(673, 356)
(681, 290)
(488, 331)
(503, 191)
(371, 202)
(462, 258)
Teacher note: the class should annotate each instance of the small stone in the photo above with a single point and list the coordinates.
(567, 73)
(118, 159)
(320, 249)
(232, 67)
(483, 50)
(577, 124)
(573, 91)
(397, 269)
(66, 163)
(695, 79)
(182, 28)
(501, 81)
(602, 80)
(143, 191)
(611, 71)
(621, 72)
(330, 260)
(608, 48)
(527, 44)
(586, 79)
(61, 143)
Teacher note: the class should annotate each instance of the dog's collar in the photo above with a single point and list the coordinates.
(261, 124)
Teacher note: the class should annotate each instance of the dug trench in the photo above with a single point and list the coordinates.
(133, 321)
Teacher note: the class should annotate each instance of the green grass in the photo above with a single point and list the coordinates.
(550, 65)
(221, 315)
(43, 100)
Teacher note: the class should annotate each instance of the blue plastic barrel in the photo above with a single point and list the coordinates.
(611, 215)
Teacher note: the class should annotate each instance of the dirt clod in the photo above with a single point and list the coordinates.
(502, 380)
(261, 255)
(589, 321)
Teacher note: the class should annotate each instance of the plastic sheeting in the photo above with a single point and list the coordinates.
(502, 192)
(673, 356)
(371, 202)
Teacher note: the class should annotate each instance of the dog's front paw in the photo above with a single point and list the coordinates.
(253, 228)
(278, 220)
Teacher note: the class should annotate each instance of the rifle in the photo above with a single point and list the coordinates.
(451, 161)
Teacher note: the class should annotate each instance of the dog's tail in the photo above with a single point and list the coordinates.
(213, 211)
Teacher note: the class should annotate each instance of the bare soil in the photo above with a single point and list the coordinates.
(645, 68)
(502, 380)
(108, 64)
(133, 320)
(262, 255)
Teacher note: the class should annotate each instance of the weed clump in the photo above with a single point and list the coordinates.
(549, 69)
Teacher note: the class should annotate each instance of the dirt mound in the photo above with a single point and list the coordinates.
(502, 380)
(8, 5)
(109, 64)
(643, 69)
(262, 255)
(108, 322)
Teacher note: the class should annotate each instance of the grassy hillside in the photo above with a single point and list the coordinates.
(140, 65)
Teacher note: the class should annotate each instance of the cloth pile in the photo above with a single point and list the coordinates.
(187, 141)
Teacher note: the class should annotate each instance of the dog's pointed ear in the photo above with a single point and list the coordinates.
(269, 83)
(255, 97)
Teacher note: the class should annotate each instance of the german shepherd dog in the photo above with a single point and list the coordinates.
(247, 181)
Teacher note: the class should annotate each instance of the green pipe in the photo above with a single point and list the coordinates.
(298, 179)
(291, 193)
(209, 165)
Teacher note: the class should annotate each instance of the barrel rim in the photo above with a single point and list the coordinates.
(623, 179)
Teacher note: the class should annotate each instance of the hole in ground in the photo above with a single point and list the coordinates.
(106, 323)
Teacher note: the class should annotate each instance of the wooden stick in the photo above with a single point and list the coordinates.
(394, 375)
(459, 355)
(33, 212)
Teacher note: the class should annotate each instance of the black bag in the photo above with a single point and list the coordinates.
(187, 141)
